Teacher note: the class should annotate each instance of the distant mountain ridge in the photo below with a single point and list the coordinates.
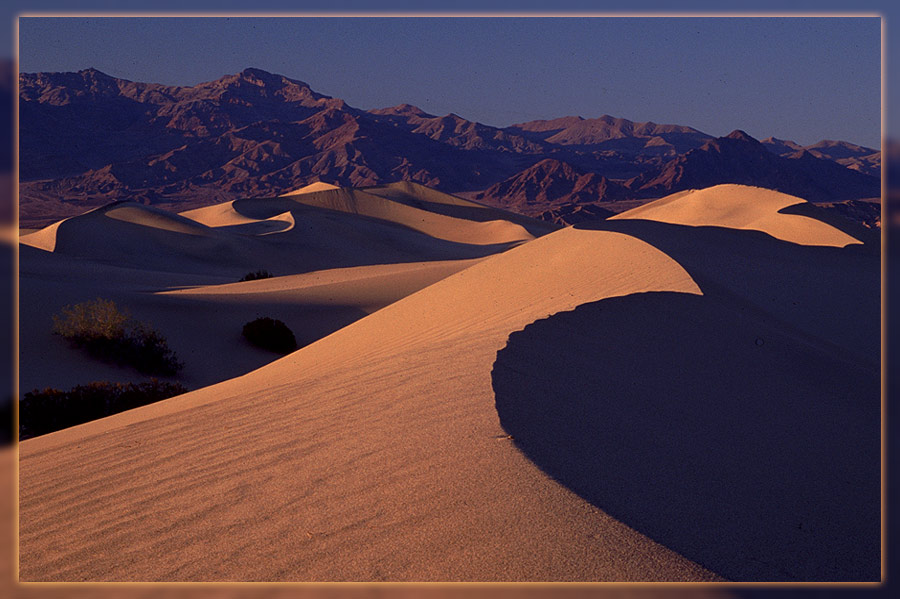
(854, 157)
(87, 138)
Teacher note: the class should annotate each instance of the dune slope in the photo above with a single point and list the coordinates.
(332, 267)
(741, 207)
(246, 235)
(374, 453)
(379, 452)
(196, 313)
(735, 443)
(134, 254)
(419, 196)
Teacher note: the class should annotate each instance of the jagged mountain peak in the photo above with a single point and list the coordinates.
(407, 110)
(88, 137)
(741, 135)
(94, 73)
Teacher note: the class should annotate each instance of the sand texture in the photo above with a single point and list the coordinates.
(692, 397)
(179, 273)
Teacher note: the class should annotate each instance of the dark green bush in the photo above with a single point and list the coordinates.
(259, 274)
(270, 334)
(110, 334)
(42, 412)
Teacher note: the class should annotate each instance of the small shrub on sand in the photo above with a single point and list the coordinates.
(48, 410)
(270, 334)
(99, 319)
(255, 276)
(110, 334)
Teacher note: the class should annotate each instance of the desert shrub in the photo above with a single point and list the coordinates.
(99, 319)
(147, 350)
(106, 332)
(270, 334)
(48, 410)
(254, 276)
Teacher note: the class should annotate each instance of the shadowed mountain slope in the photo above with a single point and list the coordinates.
(738, 158)
(88, 139)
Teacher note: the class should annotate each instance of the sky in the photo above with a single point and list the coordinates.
(803, 79)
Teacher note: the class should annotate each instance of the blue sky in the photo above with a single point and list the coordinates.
(796, 78)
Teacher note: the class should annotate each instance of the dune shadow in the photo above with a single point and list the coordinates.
(480, 214)
(830, 216)
(827, 294)
(740, 428)
(745, 449)
(262, 227)
(393, 242)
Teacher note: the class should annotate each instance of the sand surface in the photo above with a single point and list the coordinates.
(312, 187)
(9, 587)
(546, 413)
(331, 268)
(419, 196)
(195, 318)
(741, 207)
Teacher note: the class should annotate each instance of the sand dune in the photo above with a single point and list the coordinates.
(366, 287)
(312, 187)
(383, 450)
(10, 587)
(392, 204)
(195, 314)
(437, 225)
(219, 215)
(379, 443)
(44, 239)
(134, 254)
(741, 207)
(403, 191)
(739, 428)
(419, 196)
(70, 240)
(280, 234)
(155, 218)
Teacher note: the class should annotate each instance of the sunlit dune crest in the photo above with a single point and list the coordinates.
(312, 187)
(741, 207)
(491, 398)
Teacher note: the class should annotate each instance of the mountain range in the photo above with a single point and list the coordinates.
(87, 138)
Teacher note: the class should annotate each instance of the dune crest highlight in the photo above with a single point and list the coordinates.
(741, 207)
(421, 440)
(312, 187)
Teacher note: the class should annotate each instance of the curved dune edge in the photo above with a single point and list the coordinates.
(218, 215)
(318, 239)
(414, 194)
(391, 275)
(729, 420)
(468, 301)
(225, 215)
(401, 189)
(358, 202)
(285, 217)
(43, 239)
(356, 456)
(129, 212)
(741, 207)
(355, 201)
(156, 219)
(374, 453)
(311, 188)
(47, 238)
